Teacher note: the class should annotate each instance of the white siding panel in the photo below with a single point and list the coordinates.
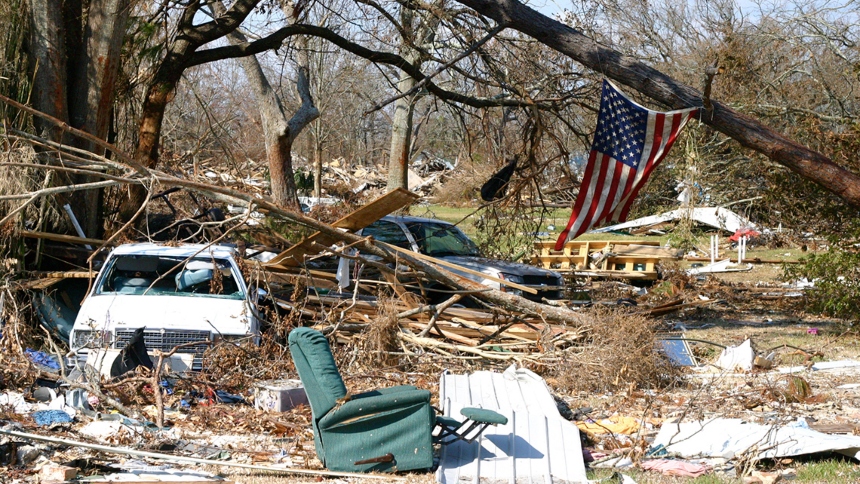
(536, 446)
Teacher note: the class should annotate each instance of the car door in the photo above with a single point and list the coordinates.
(389, 232)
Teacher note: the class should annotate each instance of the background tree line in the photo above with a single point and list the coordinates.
(378, 83)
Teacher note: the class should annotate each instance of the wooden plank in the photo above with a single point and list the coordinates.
(39, 284)
(615, 274)
(646, 251)
(43, 280)
(451, 265)
(447, 334)
(69, 239)
(359, 219)
(66, 274)
(596, 244)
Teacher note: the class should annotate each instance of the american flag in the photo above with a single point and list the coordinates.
(630, 141)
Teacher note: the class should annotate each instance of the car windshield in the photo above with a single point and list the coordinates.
(175, 276)
(439, 239)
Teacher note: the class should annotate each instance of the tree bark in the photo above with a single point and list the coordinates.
(47, 52)
(401, 135)
(318, 155)
(92, 94)
(404, 107)
(666, 90)
(190, 37)
(279, 132)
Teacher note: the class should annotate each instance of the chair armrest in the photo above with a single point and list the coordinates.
(384, 391)
(370, 407)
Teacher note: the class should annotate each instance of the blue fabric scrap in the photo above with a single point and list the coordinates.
(46, 418)
(42, 359)
(225, 397)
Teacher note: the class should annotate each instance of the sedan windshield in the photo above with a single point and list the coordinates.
(176, 276)
(438, 239)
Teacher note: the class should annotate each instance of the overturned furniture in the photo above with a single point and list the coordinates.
(623, 259)
(381, 430)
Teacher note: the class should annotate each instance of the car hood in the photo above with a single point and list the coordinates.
(481, 264)
(108, 311)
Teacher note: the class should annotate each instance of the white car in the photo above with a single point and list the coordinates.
(185, 294)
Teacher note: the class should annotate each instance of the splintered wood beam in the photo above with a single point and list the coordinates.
(69, 239)
(359, 219)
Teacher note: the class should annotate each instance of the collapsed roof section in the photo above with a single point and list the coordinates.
(717, 217)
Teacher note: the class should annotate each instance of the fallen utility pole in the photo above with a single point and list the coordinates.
(194, 460)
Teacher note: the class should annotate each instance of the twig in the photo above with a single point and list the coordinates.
(81, 134)
(122, 229)
(420, 84)
(52, 191)
(710, 72)
(156, 378)
(438, 310)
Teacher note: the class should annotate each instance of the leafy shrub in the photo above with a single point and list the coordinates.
(836, 274)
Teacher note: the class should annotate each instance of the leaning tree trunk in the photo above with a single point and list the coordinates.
(160, 91)
(158, 94)
(662, 88)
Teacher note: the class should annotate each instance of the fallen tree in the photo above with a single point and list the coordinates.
(670, 92)
(132, 174)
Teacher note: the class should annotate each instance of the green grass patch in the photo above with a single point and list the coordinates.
(828, 471)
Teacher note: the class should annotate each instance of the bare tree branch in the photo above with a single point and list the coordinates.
(274, 40)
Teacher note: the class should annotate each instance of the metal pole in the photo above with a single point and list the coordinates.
(78, 229)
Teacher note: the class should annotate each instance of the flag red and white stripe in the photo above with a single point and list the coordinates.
(629, 142)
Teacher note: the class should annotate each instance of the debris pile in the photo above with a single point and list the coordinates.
(633, 369)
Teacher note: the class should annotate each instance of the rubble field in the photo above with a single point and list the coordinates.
(619, 403)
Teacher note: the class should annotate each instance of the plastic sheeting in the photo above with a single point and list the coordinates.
(727, 438)
(738, 357)
(717, 217)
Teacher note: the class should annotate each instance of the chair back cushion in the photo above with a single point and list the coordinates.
(313, 359)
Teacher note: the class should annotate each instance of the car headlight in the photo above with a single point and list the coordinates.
(511, 278)
(91, 339)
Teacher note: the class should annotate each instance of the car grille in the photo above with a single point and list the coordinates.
(536, 282)
(166, 340)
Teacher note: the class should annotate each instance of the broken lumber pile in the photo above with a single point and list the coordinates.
(623, 259)
(450, 331)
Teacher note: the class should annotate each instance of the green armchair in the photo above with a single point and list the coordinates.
(386, 429)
